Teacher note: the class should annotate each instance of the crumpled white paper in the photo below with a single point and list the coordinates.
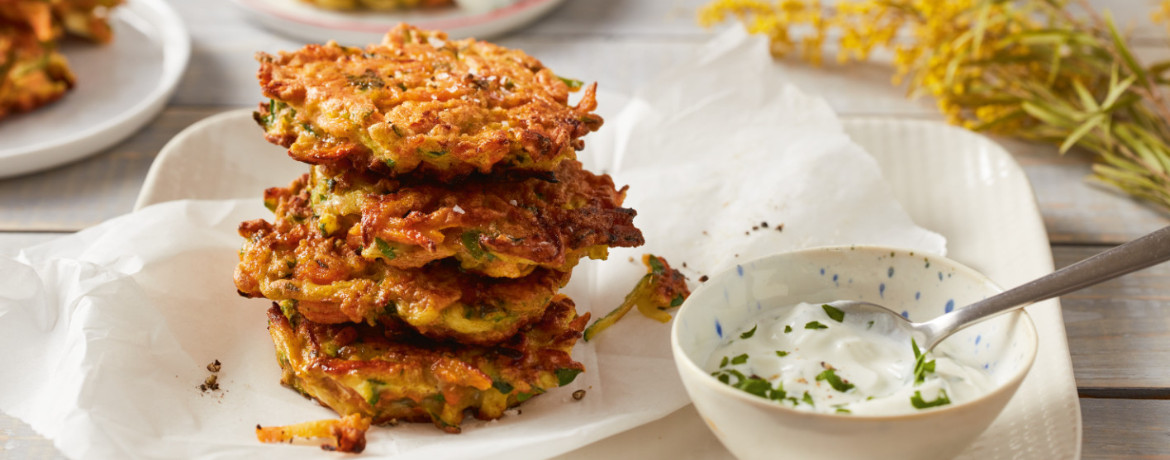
(106, 332)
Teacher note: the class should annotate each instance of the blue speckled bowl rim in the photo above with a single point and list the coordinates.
(681, 359)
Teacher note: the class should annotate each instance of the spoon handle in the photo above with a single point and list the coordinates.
(1143, 252)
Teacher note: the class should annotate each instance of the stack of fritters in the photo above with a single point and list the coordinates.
(415, 268)
(32, 72)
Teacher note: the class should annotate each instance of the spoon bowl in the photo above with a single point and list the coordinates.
(1151, 249)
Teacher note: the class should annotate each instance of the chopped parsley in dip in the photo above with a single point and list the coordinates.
(814, 357)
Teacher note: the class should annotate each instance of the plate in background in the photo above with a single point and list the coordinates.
(317, 25)
(949, 180)
(120, 87)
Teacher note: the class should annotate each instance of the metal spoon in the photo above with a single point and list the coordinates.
(1143, 252)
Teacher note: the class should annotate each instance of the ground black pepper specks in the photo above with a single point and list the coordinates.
(211, 383)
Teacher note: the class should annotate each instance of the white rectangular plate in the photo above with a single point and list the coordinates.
(950, 180)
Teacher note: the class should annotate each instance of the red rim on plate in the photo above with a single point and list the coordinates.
(447, 23)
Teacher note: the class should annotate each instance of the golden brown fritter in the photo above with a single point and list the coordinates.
(498, 225)
(51, 19)
(421, 102)
(328, 281)
(383, 5)
(32, 72)
(360, 369)
(87, 18)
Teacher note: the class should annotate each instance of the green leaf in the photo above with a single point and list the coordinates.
(384, 248)
(1054, 68)
(471, 242)
(981, 25)
(920, 403)
(834, 313)
(1123, 50)
(375, 391)
(1154, 152)
(815, 325)
(725, 376)
(1116, 90)
(749, 334)
(656, 265)
(502, 386)
(778, 393)
(572, 84)
(309, 128)
(1093, 122)
(830, 375)
(781, 353)
(921, 365)
(566, 375)
(740, 359)
(755, 386)
(1045, 114)
(1083, 94)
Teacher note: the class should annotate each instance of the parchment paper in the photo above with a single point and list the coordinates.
(106, 332)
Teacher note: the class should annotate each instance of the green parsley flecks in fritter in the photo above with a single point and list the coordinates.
(497, 225)
(420, 102)
(392, 376)
(32, 72)
(328, 281)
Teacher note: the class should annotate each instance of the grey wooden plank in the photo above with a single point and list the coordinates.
(1125, 428)
(1118, 331)
(13, 242)
(1076, 209)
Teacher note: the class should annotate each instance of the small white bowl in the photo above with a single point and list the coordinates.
(920, 286)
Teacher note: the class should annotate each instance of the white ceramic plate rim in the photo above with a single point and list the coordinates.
(176, 49)
(1053, 358)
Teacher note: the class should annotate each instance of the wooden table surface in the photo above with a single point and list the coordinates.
(1119, 331)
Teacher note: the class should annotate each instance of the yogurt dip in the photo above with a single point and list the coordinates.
(814, 357)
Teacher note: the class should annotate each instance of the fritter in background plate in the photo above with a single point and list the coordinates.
(360, 369)
(419, 101)
(51, 19)
(32, 72)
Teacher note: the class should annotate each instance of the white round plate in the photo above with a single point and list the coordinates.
(316, 25)
(120, 86)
